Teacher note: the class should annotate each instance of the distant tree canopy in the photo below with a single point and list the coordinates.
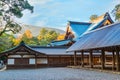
(116, 12)
(27, 37)
(46, 36)
(93, 17)
(10, 9)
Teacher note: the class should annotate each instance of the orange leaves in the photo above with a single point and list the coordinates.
(28, 34)
(17, 41)
(61, 37)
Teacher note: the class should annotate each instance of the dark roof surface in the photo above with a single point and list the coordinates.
(22, 44)
(43, 50)
(102, 37)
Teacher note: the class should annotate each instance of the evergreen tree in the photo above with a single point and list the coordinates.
(10, 9)
(116, 12)
(93, 17)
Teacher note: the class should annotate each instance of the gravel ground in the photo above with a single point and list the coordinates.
(56, 74)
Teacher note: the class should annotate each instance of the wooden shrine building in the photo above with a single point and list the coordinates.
(88, 40)
(24, 56)
(77, 29)
(103, 40)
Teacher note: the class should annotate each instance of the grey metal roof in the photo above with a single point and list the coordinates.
(99, 24)
(95, 26)
(102, 37)
(52, 50)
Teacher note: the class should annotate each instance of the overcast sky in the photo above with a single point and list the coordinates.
(56, 13)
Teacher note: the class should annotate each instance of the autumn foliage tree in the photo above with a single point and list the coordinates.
(26, 37)
(46, 36)
(61, 37)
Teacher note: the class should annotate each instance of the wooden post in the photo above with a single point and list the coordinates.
(35, 61)
(103, 59)
(59, 59)
(117, 61)
(48, 61)
(82, 59)
(75, 59)
(113, 60)
(91, 59)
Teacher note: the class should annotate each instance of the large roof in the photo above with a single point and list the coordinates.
(21, 47)
(79, 28)
(103, 37)
(52, 50)
(99, 23)
(37, 50)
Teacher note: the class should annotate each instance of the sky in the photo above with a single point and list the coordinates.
(56, 13)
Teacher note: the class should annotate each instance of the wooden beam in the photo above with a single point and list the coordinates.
(117, 61)
(113, 60)
(75, 58)
(82, 58)
(102, 59)
(91, 59)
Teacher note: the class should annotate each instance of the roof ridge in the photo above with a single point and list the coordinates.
(103, 27)
(79, 22)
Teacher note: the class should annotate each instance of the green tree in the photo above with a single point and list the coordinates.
(28, 38)
(116, 12)
(46, 36)
(6, 41)
(9, 9)
(93, 17)
(43, 31)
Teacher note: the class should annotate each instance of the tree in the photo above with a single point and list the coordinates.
(61, 37)
(27, 37)
(10, 9)
(93, 17)
(46, 36)
(6, 41)
(116, 12)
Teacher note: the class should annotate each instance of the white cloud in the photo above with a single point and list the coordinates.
(73, 19)
(61, 27)
(35, 15)
(41, 2)
(41, 23)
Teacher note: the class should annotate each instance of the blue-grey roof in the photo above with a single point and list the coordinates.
(38, 50)
(97, 25)
(103, 37)
(52, 50)
(60, 43)
(79, 28)
(22, 44)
